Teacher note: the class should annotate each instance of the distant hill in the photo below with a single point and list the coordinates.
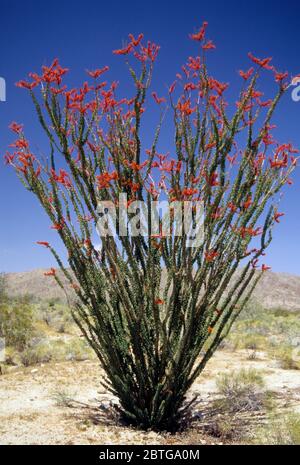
(275, 290)
(35, 284)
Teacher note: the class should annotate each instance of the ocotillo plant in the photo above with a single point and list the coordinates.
(153, 307)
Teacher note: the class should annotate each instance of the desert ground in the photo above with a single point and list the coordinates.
(63, 403)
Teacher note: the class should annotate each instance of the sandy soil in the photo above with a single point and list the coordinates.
(30, 413)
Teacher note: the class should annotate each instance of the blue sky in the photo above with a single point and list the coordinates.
(82, 35)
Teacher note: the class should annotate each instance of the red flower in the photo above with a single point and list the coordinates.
(172, 87)
(210, 255)
(123, 51)
(265, 268)
(62, 178)
(244, 231)
(9, 158)
(52, 73)
(189, 191)
(135, 166)
(194, 63)
(277, 216)
(267, 103)
(190, 86)
(15, 127)
(159, 302)
(38, 172)
(45, 244)
(210, 146)
(150, 52)
(20, 144)
(232, 159)
(219, 87)
(135, 42)
(52, 272)
(58, 226)
(185, 107)
(279, 77)
(248, 203)
(276, 163)
(157, 99)
(104, 179)
(209, 45)
(200, 35)
(245, 75)
(264, 62)
(212, 180)
(97, 72)
(232, 207)
(26, 85)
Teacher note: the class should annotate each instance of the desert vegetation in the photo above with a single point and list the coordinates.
(38, 331)
(155, 307)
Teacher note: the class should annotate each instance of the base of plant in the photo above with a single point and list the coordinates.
(171, 423)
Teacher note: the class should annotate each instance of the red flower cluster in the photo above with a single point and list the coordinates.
(211, 255)
(52, 272)
(104, 179)
(15, 127)
(97, 72)
(51, 74)
(248, 231)
(199, 36)
(62, 178)
(263, 63)
(148, 52)
(45, 244)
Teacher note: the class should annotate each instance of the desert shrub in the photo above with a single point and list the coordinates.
(12, 356)
(62, 397)
(56, 316)
(287, 357)
(241, 391)
(17, 323)
(241, 340)
(45, 313)
(37, 353)
(232, 342)
(240, 394)
(63, 319)
(155, 306)
(282, 429)
(77, 349)
(53, 301)
(281, 312)
(265, 330)
(253, 342)
(3, 285)
(252, 311)
(224, 427)
(44, 351)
